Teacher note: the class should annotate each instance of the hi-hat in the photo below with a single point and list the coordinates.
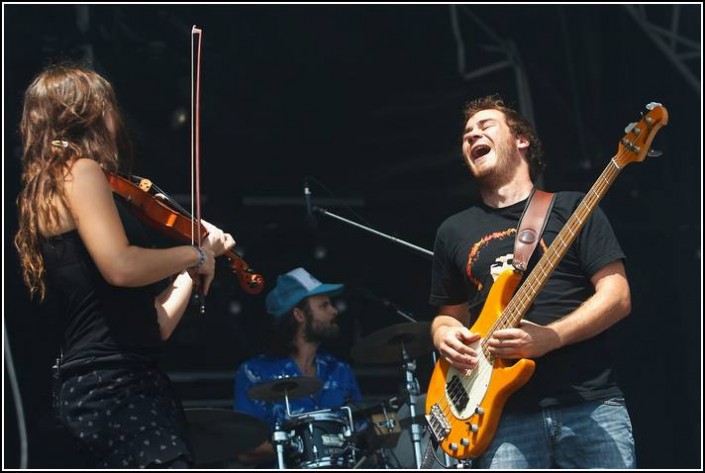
(218, 435)
(384, 346)
(281, 388)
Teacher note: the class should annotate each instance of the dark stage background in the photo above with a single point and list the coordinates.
(368, 101)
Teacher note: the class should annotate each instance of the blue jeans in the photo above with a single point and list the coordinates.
(595, 434)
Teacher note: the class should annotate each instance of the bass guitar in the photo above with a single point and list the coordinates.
(463, 409)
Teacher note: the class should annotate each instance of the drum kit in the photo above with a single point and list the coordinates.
(365, 434)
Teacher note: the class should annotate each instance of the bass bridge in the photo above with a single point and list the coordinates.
(437, 421)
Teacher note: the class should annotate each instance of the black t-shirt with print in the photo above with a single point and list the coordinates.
(475, 244)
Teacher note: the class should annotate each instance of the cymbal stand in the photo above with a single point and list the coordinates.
(280, 437)
(286, 400)
(412, 389)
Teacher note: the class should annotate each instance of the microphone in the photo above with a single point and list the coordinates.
(310, 218)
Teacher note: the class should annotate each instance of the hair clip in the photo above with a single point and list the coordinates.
(60, 143)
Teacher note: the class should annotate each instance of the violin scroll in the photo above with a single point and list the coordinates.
(250, 282)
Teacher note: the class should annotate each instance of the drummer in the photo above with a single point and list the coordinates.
(304, 318)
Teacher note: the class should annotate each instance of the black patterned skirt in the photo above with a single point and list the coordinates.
(128, 417)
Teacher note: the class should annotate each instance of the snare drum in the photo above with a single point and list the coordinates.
(320, 439)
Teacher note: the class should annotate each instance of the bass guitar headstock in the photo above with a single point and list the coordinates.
(636, 143)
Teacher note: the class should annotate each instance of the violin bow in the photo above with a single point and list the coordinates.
(196, 147)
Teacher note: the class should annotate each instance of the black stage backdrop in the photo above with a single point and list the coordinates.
(367, 101)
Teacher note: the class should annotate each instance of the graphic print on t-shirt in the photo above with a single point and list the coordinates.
(500, 263)
(476, 249)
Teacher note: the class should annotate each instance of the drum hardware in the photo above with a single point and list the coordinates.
(318, 439)
(412, 390)
(363, 408)
(400, 343)
(280, 438)
(285, 388)
(284, 437)
(380, 432)
(386, 429)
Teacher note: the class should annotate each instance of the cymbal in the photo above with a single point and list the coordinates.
(384, 346)
(277, 389)
(365, 407)
(217, 434)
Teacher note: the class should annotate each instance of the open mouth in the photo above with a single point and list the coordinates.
(479, 151)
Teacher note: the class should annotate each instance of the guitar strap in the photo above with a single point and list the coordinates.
(531, 226)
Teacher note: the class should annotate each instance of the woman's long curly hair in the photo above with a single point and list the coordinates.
(69, 112)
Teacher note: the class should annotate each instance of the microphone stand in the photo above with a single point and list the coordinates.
(408, 365)
(424, 252)
(396, 308)
(404, 314)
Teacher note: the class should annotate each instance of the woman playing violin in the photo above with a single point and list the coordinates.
(90, 260)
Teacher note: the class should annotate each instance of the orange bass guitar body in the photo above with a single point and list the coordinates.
(472, 426)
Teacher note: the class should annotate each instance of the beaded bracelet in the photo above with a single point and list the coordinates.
(201, 258)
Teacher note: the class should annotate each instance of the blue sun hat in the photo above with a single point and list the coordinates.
(295, 286)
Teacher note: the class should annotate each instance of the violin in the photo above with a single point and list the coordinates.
(174, 222)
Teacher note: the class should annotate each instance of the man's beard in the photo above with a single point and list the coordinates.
(503, 168)
(317, 332)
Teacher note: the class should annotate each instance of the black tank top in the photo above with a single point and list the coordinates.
(102, 323)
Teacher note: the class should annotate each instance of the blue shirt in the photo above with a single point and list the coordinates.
(339, 386)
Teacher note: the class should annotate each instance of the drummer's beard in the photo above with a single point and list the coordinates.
(319, 332)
